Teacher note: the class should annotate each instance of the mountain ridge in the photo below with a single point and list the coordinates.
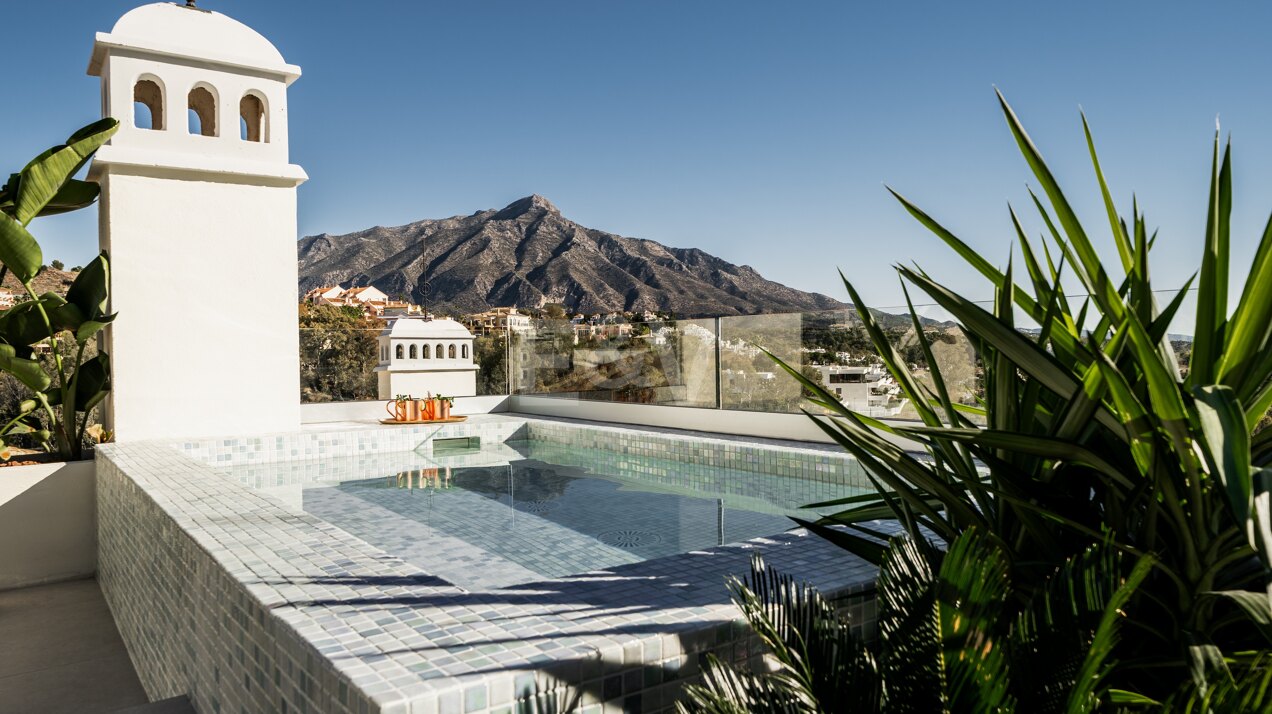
(528, 254)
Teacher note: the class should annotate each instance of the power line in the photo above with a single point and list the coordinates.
(991, 302)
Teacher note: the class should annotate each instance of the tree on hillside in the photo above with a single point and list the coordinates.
(57, 265)
(491, 354)
(338, 353)
(813, 374)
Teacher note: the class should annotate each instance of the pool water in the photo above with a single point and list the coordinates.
(526, 511)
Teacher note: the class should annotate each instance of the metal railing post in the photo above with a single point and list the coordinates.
(719, 376)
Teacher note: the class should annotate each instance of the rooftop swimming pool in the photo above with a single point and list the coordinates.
(526, 510)
(359, 569)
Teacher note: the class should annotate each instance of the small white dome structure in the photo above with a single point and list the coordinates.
(201, 33)
(422, 356)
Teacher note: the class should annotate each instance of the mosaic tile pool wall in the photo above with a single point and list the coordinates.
(222, 594)
(345, 443)
(812, 462)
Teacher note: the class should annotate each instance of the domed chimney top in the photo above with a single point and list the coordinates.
(187, 31)
(196, 93)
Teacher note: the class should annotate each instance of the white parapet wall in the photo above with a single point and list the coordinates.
(48, 523)
(374, 411)
(721, 421)
(765, 425)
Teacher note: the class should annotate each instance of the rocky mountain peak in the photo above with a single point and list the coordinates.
(514, 257)
(530, 204)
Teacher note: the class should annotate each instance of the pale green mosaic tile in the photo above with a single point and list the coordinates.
(223, 595)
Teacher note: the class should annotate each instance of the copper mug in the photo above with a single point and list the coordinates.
(427, 410)
(403, 410)
(396, 409)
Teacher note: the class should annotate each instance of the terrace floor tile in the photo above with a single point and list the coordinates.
(60, 652)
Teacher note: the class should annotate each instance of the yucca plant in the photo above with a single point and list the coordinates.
(1088, 433)
(948, 639)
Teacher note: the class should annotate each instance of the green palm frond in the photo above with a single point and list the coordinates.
(912, 659)
(725, 690)
(1249, 692)
(954, 637)
(942, 647)
(814, 645)
(1064, 638)
(816, 652)
(972, 590)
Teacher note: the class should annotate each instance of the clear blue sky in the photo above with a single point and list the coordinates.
(762, 132)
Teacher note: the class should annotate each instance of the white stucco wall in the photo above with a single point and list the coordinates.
(201, 232)
(48, 523)
(457, 383)
(204, 280)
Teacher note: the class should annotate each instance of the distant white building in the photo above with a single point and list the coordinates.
(869, 390)
(324, 295)
(499, 320)
(421, 357)
(698, 332)
(739, 346)
(372, 301)
(609, 330)
(394, 310)
(739, 378)
(337, 295)
(661, 336)
(365, 294)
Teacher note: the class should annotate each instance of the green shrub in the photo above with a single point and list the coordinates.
(61, 393)
(1092, 435)
(944, 645)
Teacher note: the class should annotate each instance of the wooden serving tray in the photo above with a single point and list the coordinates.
(451, 420)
